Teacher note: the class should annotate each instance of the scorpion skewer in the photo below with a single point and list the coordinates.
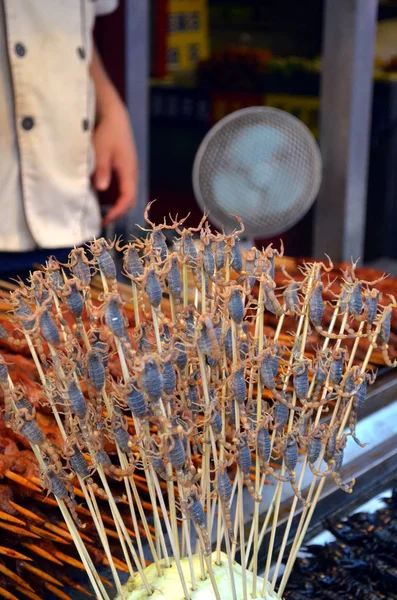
(194, 389)
(307, 514)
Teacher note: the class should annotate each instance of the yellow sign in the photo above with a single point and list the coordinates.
(188, 36)
(304, 108)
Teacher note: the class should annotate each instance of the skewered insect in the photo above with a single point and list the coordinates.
(338, 461)
(194, 510)
(135, 399)
(220, 249)
(371, 298)
(244, 461)
(180, 354)
(73, 298)
(132, 263)
(96, 369)
(238, 385)
(206, 374)
(153, 288)
(152, 380)
(336, 367)
(272, 303)
(356, 301)
(264, 449)
(159, 244)
(113, 317)
(174, 279)
(102, 460)
(236, 306)
(290, 461)
(60, 487)
(208, 341)
(225, 494)
(301, 379)
(49, 329)
(25, 422)
(175, 452)
(81, 468)
(80, 266)
(100, 249)
(291, 297)
(281, 414)
(169, 378)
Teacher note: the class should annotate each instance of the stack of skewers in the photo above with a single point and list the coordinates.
(197, 395)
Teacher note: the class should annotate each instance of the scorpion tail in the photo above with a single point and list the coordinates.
(251, 489)
(71, 504)
(228, 521)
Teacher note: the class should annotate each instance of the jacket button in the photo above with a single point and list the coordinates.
(20, 49)
(81, 52)
(86, 124)
(27, 123)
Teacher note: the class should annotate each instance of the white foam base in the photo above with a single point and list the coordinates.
(169, 587)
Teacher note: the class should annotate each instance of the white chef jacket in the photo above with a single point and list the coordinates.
(47, 112)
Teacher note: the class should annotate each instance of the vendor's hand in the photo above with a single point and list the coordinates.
(115, 152)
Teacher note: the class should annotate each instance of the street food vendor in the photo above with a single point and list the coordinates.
(63, 131)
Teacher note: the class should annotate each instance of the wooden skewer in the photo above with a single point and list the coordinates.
(57, 592)
(171, 539)
(7, 517)
(123, 534)
(82, 485)
(91, 571)
(229, 560)
(92, 502)
(303, 322)
(318, 416)
(76, 586)
(170, 485)
(149, 472)
(120, 565)
(48, 535)
(220, 529)
(58, 530)
(210, 453)
(41, 552)
(188, 545)
(263, 529)
(39, 573)
(96, 516)
(241, 527)
(89, 567)
(21, 480)
(259, 320)
(27, 593)
(288, 527)
(88, 564)
(25, 512)
(14, 577)
(6, 594)
(10, 552)
(307, 513)
(80, 510)
(19, 530)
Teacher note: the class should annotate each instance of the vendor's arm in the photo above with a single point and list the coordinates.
(113, 143)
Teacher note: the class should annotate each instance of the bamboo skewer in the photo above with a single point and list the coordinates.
(126, 482)
(258, 487)
(91, 571)
(305, 518)
(204, 316)
(303, 322)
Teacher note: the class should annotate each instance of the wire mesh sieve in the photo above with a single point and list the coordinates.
(262, 164)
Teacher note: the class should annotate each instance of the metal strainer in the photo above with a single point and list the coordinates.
(262, 164)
